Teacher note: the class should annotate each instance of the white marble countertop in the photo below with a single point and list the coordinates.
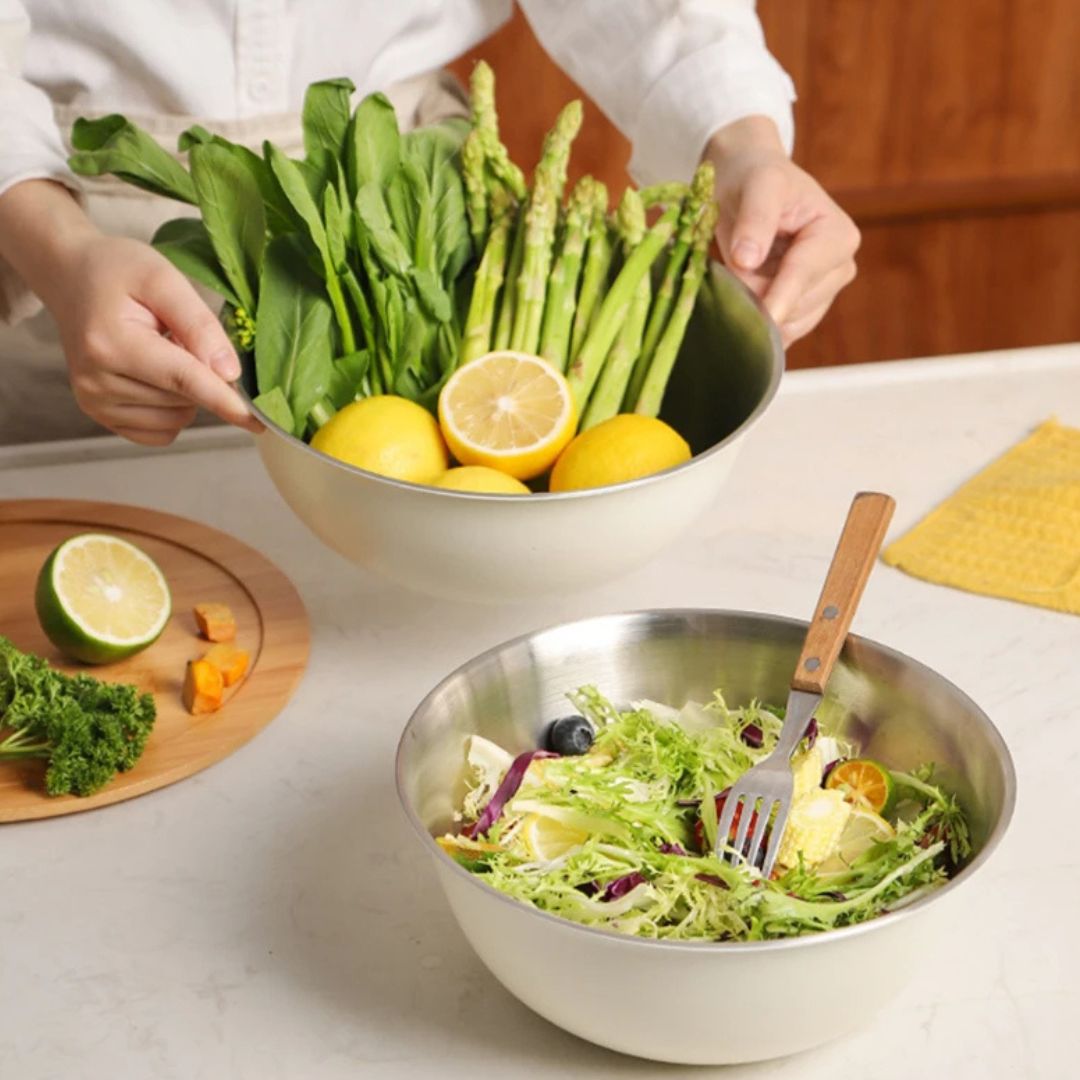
(273, 916)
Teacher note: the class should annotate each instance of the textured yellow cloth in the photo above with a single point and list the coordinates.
(1013, 530)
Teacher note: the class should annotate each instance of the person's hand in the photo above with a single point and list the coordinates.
(778, 230)
(143, 349)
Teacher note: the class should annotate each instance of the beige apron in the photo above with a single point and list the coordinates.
(36, 402)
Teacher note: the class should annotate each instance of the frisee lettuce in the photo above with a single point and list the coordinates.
(636, 797)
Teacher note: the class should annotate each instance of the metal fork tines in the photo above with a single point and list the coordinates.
(768, 786)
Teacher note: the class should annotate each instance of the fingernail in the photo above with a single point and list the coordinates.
(746, 254)
(226, 364)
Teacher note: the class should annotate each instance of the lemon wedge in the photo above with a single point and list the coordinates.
(546, 839)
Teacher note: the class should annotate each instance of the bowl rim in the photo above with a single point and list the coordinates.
(822, 937)
(778, 360)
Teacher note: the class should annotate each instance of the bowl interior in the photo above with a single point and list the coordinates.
(899, 711)
(727, 371)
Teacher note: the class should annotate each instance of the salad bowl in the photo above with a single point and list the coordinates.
(662, 999)
(496, 548)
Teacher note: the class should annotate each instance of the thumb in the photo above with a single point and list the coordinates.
(173, 299)
(761, 203)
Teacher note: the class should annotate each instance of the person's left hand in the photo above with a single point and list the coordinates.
(778, 230)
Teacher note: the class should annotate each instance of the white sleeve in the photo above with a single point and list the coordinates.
(668, 73)
(30, 143)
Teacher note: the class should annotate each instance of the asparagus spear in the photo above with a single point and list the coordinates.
(486, 125)
(505, 324)
(562, 290)
(597, 263)
(541, 217)
(608, 395)
(488, 282)
(664, 194)
(476, 191)
(656, 379)
(586, 366)
(700, 197)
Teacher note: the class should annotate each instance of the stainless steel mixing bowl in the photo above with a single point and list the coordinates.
(662, 1000)
(497, 547)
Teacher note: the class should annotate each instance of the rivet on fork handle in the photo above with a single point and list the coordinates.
(856, 552)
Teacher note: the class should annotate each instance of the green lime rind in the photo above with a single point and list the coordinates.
(62, 629)
(835, 781)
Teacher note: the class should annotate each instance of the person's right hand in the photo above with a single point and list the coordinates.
(143, 349)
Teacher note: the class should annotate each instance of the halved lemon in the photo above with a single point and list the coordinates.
(546, 839)
(509, 411)
(864, 828)
(100, 598)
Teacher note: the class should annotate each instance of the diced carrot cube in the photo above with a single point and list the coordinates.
(216, 622)
(203, 687)
(229, 660)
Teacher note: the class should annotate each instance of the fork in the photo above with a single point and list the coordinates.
(770, 783)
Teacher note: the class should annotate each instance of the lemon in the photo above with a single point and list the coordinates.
(509, 411)
(387, 435)
(864, 828)
(546, 839)
(482, 479)
(100, 598)
(622, 448)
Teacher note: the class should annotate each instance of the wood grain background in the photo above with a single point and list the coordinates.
(949, 130)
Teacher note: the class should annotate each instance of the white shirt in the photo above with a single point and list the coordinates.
(667, 72)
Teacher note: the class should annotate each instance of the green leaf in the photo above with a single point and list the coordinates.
(433, 297)
(275, 407)
(232, 211)
(385, 243)
(345, 378)
(113, 144)
(325, 118)
(294, 187)
(293, 337)
(373, 144)
(186, 244)
(335, 228)
(435, 152)
(193, 136)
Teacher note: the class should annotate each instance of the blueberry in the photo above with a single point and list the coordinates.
(570, 735)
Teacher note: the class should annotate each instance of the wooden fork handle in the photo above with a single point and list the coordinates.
(856, 552)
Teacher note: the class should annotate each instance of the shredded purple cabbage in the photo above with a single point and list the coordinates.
(504, 792)
(753, 736)
(811, 732)
(673, 849)
(712, 879)
(618, 888)
(829, 768)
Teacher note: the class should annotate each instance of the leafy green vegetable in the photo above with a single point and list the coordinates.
(186, 244)
(640, 797)
(233, 214)
(325, 118)
(87, 730)
(293, 337)
(373, 144)
(112, 144)
(274, 405)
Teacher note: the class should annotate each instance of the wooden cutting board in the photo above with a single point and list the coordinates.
(200, 564)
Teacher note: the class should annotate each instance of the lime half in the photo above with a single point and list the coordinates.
(100, 598)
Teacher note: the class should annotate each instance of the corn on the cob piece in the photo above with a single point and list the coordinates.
(807, 768)
(814, 827)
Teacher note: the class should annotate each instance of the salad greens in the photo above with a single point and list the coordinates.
(85, 729)
(620, 838)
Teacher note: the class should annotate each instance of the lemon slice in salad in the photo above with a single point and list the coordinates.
(546, 839)
(100, 598)
(864, 828)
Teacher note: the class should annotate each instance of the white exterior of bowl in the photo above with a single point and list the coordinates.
(491, 548)
(690, 1005)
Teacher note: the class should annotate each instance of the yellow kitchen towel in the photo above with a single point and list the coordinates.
(1013, 530)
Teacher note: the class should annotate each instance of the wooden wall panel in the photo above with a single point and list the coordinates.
(950, 130)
